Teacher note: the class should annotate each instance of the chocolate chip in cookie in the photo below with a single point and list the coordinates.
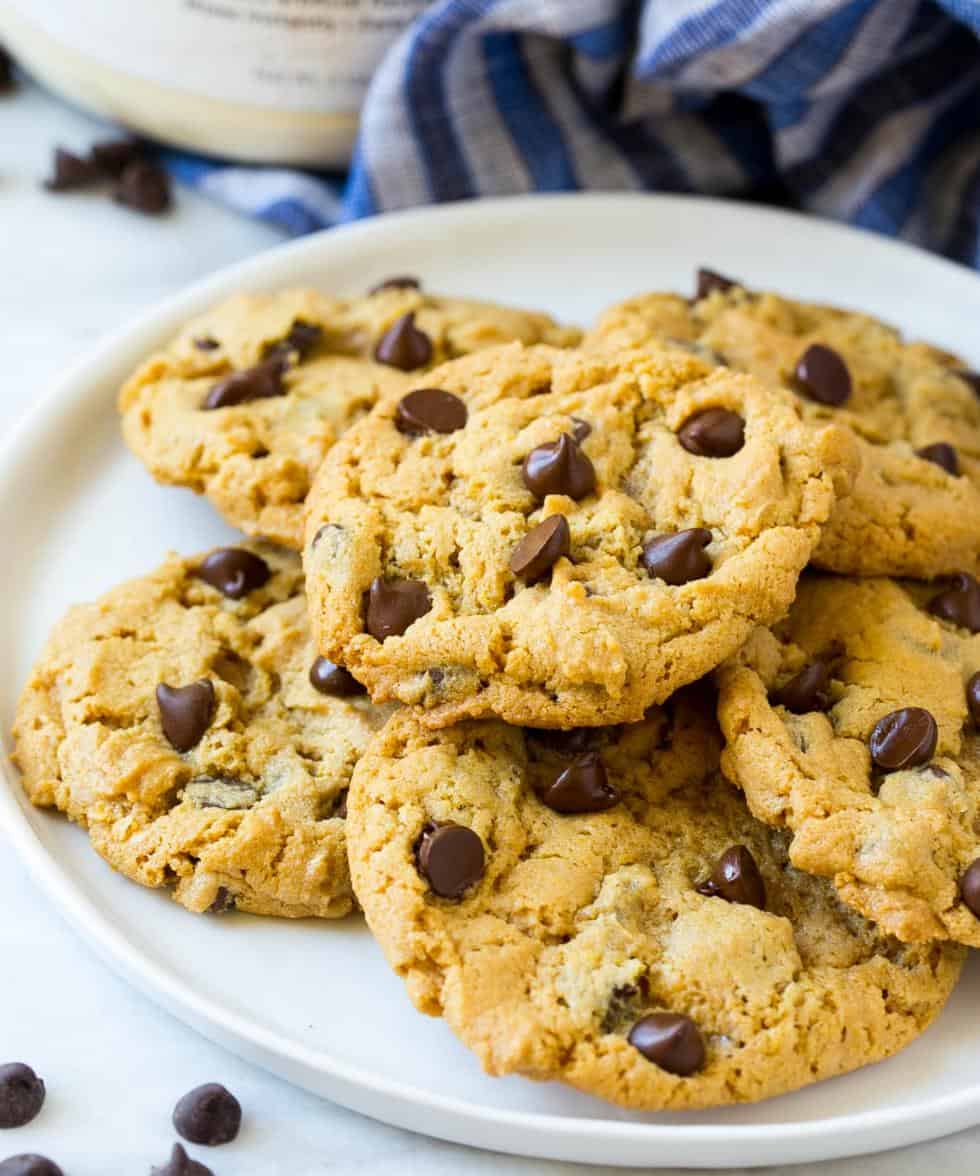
(541, 548)
(941, 454)
(671, 1041)
(970, 887)
(334, 680)
(904, 738)
(429, 410)
(21, 1094)
(185, 712)
(959, 603)
(736, 878)
(260, 382)
(713, 432)
(678, 558)
(400, 282)
(298, 343)
(404, 345)
(234, 571)
(451, 858)
(208, 1114)
(971, 378)
(559, 467)
(973, 697)
(822, 375)
(708, 281)
(582, 787)
(394, 605)
(805, 691)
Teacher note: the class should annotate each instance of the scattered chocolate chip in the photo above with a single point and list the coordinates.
(393, 605)
(224, 901)
(713, 432)
(209, 1114)
(904, 739)
(959, 603)
(943, 455)
(580, 429)
(21, 1094)
(145, 187)
(678, 558)
(397, 283)
(299, 342)
(185, 712)
(70, 171)
(970, 887)
(973, 697)
(736, 878)
(583, 787)
(805, 691)
(181, 1164)
(671, 1041)
(6, 72)
(404, 346)
(254, 383)
(559, 467)
(822, 375)
(332, 679)
(29, 1165)
(971, 378)
(234, 571)
(450, 858)
(541, 548)
(708, 281)
(112, 156)
(206, 343)
(430, 410)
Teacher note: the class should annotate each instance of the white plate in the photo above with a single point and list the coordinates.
(315, 1002)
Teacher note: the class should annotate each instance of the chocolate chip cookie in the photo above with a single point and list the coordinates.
(245, 401)
(915, 506)
(563, 538)
(600, 908)
(854, 726)
(185, 720)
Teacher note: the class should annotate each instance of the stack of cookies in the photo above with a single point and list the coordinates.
(629, 683)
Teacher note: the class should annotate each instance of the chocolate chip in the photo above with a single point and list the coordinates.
(70, 172)
(185, 712)
(559, 467)
(209, 1114)
(254, 383)
(678, 558)
(708, 281)
(334, 680)
(450, 858)
(298, 343)
(6, 72)
(224, 901)
(671, 1041)
(970, 887)
(112, 156)
(21, 1094)
(959, 603)
(398, 283)
(145, 187)
(713, 432)
(394, 605)
(429, 410)
(573, 742)
(29, 1165)
(580, 429)
(822, 375)
(971, 378)
(206, 343)
(736, 878)
(943, 455)
(541, 548)
(181, 1164)
(234, 571)
(805, 691)
(341, 809)
(973, 697)
(583, 787)
(404, 346)
(904, 739)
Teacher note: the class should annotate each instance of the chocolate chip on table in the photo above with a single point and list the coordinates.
(971, 378)
(959, 603)
(300, 341)
(541, 548)
(450, 858)
(70, 172)
(678, 558)
(559, 467)
(671, 1041)
(332, 679)
(260, 382)
(708, 281)
(394, 605)
(181, 1164)
(736, 878)
(904, 739)
(941, 454)
(29, 1164)
(404, 346)
(234, 571)
(429, 410)
(713, 432)
(185, 712)
(144, 186)
(400, 282)
(112, 156)
(973, 697)
(21, 1094)
(209, 1114)
(805, 691)
(582, 787)
(970, 887)
(821, 375)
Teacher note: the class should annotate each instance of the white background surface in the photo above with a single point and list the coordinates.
(71, 268)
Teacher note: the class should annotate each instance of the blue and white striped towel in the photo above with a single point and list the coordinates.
(863, 110)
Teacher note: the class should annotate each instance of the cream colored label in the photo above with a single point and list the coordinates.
(284, 54)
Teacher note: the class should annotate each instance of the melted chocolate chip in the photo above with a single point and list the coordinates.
(671, 1041)
(299, 342)
(255, 383)
(111, 156)
(708, 281)
(970, 887)
(559, 467)
(678, 558)
(805, 691)
(959, 603)
(580, 429)
(429, 410)
(403, 282)
(943, 455)
(29, 1164)
(224, 901)
(822, 375)
(21, 1094)
(70, 172)
(904, 739)
(394, 605)
(973, 697)
(404, 346)
(713, 432)
(582, 787)
(736, 878)
(334, 680)
(572, 742)
(541, 548)
(209, 1114)
(234, 571)
(145, 187)
(450, 858)
(185, 712)
(181, 1164)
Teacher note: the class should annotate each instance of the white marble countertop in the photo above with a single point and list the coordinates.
(72, 268)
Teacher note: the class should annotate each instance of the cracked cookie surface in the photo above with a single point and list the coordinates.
(578, 927)
(255, 458)
(249, 816)
(439, 575)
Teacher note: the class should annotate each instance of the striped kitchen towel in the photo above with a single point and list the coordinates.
(863, 110)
